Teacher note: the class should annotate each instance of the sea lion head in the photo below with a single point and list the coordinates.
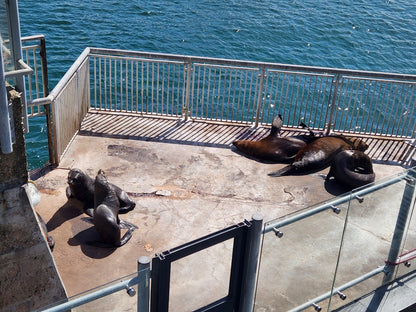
(101, 178)
(359, 144)
(76, 177)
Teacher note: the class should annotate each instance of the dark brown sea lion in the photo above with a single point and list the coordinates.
(319, 154)
(106, 220)
(352, 169)
(81, 187)
(273, 147)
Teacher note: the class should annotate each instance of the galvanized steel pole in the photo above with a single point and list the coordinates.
(252, 258)
(143, 286)
(5, 130)
(401, 222)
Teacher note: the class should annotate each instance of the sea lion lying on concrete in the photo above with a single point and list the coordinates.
(81, 187)
(273, 147)
(106, 209)
(319, 154)
(352, 169)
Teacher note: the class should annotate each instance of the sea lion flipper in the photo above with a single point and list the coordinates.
(126, 237)
(284, 171)
(126, 203)
(89, 211)
(68, 192)
(127, 225)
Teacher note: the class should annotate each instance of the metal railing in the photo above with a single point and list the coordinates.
(249, 240)
(339, 247)
(357, 102)
(232, 91)
(34, 55)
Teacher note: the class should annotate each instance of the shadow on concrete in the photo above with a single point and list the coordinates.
(70, 210)
(334, 188)
(85, 239)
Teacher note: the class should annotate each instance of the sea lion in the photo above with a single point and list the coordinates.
(273, 147)
(81, 187)
(319, 154)
(352, 169)
(105, 219)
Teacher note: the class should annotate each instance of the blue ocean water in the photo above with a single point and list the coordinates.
(359, 34)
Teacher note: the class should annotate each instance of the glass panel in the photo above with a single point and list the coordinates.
(118, 301)
(367, 239)
(189, 289)
(407, 254)
(300, 265)
(5, 43)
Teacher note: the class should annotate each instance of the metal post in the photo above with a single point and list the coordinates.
(332, 101)
(143, 286)
(5, 130)
(400, 225)
(185, 107)
(260, 97)
(252, 257)
(47, 107)
(17, 55)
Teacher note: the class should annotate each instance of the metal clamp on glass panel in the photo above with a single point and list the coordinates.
(359, 198)
(335, 209)
(316, 307)
(277, 232)
(341, 295)
(131, 291)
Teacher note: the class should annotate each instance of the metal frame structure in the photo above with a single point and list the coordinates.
(154, 283)
(360, 103)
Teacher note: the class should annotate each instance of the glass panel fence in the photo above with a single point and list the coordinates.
(112, 296)
(372, 223)
(298, 259)
(192, 288)
(328, 255)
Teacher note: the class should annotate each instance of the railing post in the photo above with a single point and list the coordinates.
(251, 260)
(143, 286)
(401, 222)
(259, 97)
(185, 108)
(332, 99)
(47, 107)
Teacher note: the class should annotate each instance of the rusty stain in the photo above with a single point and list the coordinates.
(49, 191)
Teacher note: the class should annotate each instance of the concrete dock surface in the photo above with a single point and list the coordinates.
(183, 189)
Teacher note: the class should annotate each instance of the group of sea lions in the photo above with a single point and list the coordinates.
(103, 201)
(350, 166)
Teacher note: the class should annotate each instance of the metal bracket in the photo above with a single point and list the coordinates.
(277, 232)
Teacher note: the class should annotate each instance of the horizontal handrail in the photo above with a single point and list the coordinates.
(94, 295)
(280, 66)
(330, 204)
(338, 289)
(64, 81)
(23, 69)
(32, 38)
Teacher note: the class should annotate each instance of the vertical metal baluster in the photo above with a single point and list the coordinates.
(185, 109)
(403, 102)
(332, 98)
(393, 101)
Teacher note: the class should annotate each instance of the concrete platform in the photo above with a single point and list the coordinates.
(183, 189)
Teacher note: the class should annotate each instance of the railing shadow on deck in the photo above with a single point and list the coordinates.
(220, 135)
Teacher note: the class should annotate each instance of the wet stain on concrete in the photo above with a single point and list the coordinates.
(132, 154)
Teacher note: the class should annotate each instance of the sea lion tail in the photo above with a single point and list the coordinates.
(276, 125)
(304, 126)
(281, 172)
